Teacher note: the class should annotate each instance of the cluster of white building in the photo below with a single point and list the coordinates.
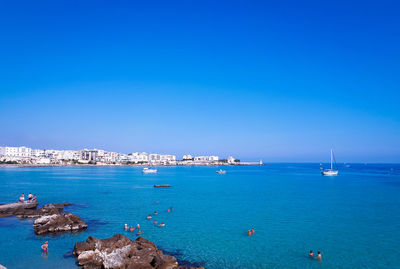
(25, 155)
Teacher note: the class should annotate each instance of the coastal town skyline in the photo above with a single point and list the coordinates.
(28, 156)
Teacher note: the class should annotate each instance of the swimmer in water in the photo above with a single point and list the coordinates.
(162, 224)
(155, 222)
(319, 256)
(155, 213)
(168, 210)
(138, 226)
(148, 217)
(311, 254)
(252, 231)
(126, 227)
(139, 233)
(45, 247)
(248, 232)
(131, 229)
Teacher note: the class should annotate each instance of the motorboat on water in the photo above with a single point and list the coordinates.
(147, 170)
(221, 171)
(331, 171)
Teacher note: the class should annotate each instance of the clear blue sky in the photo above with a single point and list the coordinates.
(278, 80)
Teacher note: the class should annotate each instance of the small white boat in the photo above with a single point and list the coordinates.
(149, 171)
(221, 171)
(330, 172)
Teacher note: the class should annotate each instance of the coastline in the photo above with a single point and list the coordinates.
(129, 165)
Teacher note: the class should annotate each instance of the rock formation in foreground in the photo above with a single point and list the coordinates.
(48, 219)
(123, 253)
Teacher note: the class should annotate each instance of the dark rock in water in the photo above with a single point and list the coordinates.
(57, 223)
(46, 210)
(121, 252)
(48, 219)
(16, 208)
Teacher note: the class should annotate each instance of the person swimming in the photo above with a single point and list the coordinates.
(149, 217)
(168, 209)
(311, 254)
(252, 231)
(319, 256)
(138, 226)
(162, 224)
(45, 247)
(126, 227)
(248, 232)
(155, 213)
(131, 229)
(139, 233)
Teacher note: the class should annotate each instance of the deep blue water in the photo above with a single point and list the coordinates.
(353, 219)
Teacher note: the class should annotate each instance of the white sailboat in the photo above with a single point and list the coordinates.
(330, 172)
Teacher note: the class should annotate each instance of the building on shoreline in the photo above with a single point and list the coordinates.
(27, 156)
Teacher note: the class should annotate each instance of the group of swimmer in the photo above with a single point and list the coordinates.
(250, 232)
(311, 255)
(131, 229)
(31, 198)
(162, 224)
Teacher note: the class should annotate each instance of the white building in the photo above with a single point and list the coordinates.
(204, 159)
(159, 158)
(187, 157)
(16, 152)
(231, 160)
(138, 157)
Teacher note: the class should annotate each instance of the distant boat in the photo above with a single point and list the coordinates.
(149, 171)
(330, 172)
(162, 186)
(221, 171)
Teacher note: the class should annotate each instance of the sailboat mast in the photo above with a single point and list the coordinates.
(331, 158)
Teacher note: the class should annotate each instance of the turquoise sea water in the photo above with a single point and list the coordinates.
(353, 219)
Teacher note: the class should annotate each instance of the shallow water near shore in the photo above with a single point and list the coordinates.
(353, 219)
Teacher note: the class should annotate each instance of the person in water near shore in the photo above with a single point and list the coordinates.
(131, 229)
(155, 222)
(45, 247)
(162, 224)
(248, 232)
(155, 213)
(22, 198)
(252, 231)
(138, 226)
(126, 227)
(139, 233)
(319, 256)
(311, 254)
(148, 217)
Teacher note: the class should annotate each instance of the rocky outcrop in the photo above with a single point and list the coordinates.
(48, 219)
(57, 223)
(16, 208)
(121, 252)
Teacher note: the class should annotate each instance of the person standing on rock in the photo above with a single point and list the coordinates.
(30, 197)
(22, 198)
(45, 247)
